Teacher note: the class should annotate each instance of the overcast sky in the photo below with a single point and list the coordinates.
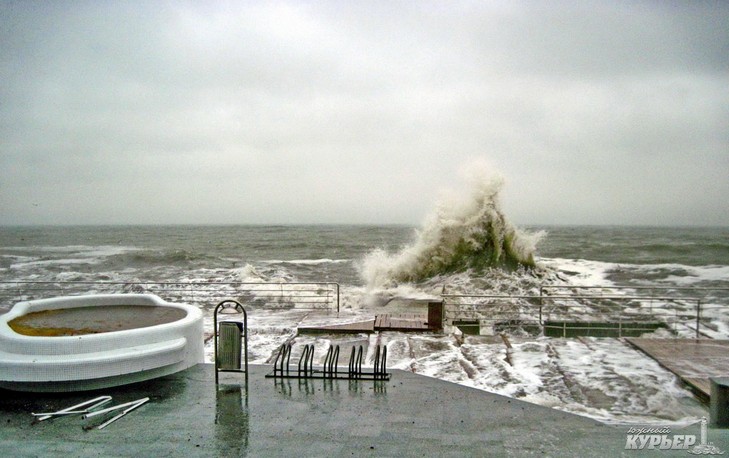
(135, 112)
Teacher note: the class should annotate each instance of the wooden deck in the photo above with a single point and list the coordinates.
(408, 322)
(694, 361)
(367, 326)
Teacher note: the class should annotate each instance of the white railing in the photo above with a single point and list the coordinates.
(314, 296)
(561, 310)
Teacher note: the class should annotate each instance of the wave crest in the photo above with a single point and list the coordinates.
(461, 234)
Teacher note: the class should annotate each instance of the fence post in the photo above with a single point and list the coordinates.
(620, 326)
(541, 305)
(337, 298)
(698, 317)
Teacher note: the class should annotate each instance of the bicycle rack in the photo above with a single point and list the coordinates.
(304, 369)
(229, 335)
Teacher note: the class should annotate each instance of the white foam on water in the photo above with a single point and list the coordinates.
(607, 381)
(80, 254)
(248, 273)
(53, 262)
(580, 272)
(637, 388)
(253, 274)
(310, 262)
(19, 258)
(693, 275)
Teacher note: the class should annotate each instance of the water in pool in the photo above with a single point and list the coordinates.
(93, 320)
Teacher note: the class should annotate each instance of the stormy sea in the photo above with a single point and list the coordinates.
(469, 248)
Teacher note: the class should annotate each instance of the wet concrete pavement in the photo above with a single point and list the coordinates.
(410, 415)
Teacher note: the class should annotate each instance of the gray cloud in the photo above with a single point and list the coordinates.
(252, 112)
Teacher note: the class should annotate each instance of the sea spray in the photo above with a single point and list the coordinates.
(464, 234)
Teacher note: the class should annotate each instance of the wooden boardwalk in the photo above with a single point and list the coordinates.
(694, 361)
(366, 326)
(408, 322)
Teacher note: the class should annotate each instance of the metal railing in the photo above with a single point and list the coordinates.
(492, 314)
(690, 308)
(589, 310)
(305, 296)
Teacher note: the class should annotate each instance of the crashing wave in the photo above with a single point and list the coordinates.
(471, 234)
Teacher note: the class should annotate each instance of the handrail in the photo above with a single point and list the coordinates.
(673, 288)
(311, 296)
(565, 296)
(691, 311)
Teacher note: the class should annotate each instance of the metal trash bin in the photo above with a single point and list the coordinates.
(231, 339)
(229, 345)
